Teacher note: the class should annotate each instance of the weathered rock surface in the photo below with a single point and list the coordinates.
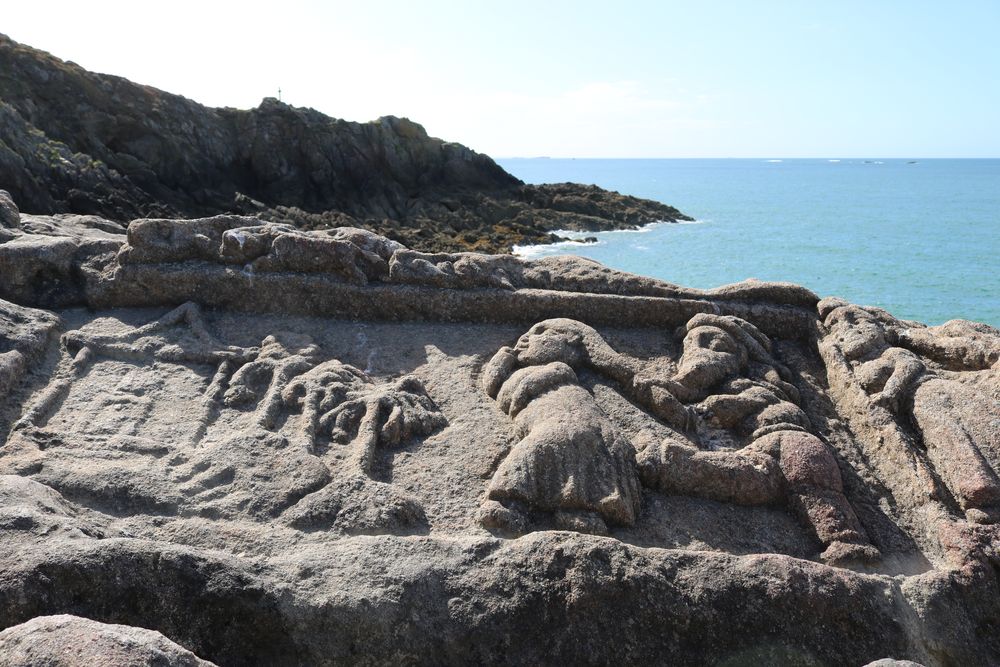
(70, 641)
(275, 446)
(24, 335)
(72, 141)
(10, 216)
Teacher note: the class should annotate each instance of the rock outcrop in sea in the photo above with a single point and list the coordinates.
(72, 141)
(230, 440)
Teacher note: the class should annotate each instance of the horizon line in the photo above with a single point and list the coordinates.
(768, 157)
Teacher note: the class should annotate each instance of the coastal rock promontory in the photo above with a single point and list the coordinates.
(233, 440)
(73, 141)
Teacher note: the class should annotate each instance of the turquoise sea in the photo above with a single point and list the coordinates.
(920, 238)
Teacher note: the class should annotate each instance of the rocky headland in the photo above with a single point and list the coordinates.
(231, 441)
(72, 141)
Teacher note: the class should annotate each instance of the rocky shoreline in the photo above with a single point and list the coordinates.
(230, 440)
(72, 141)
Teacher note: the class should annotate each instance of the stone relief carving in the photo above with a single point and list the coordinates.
(571, 460)
(161, 475)
(280, 430)
(298, 438)
(923, 384)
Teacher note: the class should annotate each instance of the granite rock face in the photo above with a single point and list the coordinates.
(25, 333)
(72, 141)
(277, 446)
(10, 216)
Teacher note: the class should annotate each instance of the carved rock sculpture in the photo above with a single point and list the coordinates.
(727, 367)
(284, 447)
(570, 460)
(914, 380)
(251, 469)
(552, 466)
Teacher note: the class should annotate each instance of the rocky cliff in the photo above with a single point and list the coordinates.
(230, 440)
(72, 141)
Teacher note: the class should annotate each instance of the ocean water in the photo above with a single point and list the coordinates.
(920, 239)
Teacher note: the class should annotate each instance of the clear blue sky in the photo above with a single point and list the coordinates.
(575, 79)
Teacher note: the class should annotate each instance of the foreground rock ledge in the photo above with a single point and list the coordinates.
(279, 447)
(70, 641)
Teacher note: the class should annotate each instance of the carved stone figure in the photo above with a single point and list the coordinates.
(727, 380)
(344, 404)
(570, 460)
(247, 464)
(262, 381)
(910, 373)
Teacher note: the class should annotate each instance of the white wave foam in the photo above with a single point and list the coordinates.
(645, 229)
(566, 247)
(543, 250)
(528, 251)
(773, 160)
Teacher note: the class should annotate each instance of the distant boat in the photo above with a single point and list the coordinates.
(912, 162)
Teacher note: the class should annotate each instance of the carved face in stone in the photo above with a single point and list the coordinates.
(545, 343)
(857, 331)
(710, 355)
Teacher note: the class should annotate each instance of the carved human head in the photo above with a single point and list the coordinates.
(710, 355)
(717, 347)
(857, 331)
(551, 340)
